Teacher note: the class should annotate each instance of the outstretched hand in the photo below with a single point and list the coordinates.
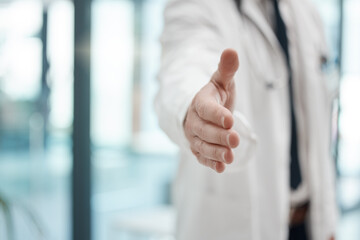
(209, 118)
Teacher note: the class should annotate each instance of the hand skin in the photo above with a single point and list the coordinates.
(209, 119)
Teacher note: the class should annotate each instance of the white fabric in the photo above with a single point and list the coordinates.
(252, 200)
(301, 194)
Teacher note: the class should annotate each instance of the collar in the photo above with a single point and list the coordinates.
(252, 11)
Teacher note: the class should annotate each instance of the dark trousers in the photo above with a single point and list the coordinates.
(298, 232)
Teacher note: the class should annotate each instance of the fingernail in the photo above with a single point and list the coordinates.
(223, 121)
(228, 139)
(223, 156)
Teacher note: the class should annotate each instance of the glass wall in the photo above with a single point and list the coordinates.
(349, 155)
(35, 119)
(133, 161)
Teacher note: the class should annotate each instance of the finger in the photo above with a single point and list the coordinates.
(213, 134)
(217, 166)
(213, 112)
(229, 64)
(212, 151)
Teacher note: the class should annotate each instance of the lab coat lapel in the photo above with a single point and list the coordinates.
(253, 13)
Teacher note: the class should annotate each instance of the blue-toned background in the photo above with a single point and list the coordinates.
(133, 162)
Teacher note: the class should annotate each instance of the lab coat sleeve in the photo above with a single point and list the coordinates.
(190, 53)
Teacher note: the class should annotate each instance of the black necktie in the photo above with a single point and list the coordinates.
(295, 174)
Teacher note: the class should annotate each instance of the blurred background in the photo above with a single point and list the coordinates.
(132, 161)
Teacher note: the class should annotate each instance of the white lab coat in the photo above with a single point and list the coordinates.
(251, 202)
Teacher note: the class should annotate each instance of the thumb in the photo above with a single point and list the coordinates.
(229, 64)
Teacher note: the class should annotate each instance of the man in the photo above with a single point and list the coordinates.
(271, 77)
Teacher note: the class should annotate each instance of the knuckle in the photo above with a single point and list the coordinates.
(200, 108)
(201, 131)
(194, 128)
(197, 143)
(196, 154)
(215, 152)
(201, 147)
